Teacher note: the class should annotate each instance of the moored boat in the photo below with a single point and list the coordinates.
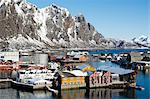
(33, 79)
(138, 87)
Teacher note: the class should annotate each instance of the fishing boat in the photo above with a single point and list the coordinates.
(25, 75)
(33, 79)
(30, 87)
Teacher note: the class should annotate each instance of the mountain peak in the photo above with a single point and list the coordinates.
(143, 40)
(10, 1)
(46, 27)
(24, 26)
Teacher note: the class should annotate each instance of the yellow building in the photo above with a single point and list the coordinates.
(72, 82)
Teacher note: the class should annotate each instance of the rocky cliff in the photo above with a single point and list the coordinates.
(25, 26)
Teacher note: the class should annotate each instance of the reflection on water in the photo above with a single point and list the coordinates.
(143, 79)
(5, 74)
(99, 93)
(16, 94)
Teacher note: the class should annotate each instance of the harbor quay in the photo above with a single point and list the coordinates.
(62, 70)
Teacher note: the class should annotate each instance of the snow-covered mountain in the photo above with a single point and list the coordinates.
(142, 41)
(25, 26)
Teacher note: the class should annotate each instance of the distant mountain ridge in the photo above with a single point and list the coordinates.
(142, 41)
(25, 26)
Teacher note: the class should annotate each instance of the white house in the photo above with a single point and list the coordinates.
(13, 56)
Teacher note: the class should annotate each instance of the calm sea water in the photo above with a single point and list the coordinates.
(116, 51)
(143, 79)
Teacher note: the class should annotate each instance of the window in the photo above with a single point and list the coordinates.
(2, 56)
(22, 72)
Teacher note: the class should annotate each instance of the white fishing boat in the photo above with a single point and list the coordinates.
(25, 76)
(33, 79)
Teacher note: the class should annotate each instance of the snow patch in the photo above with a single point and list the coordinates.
(94, 33)
(36, 42)
(4, 1)
(92, 42)
(18, 10)
(40, 18)
(142, 39)
(16, 1)
(62, 42)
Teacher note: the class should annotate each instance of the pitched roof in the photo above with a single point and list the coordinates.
(86, 67)
(76, 72)
(116, 70)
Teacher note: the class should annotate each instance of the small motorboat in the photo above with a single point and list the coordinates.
(138, 87)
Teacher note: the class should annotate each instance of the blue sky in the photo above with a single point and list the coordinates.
(119, 19)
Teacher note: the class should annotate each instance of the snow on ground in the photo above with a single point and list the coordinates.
(40, 18)
(18, 10)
